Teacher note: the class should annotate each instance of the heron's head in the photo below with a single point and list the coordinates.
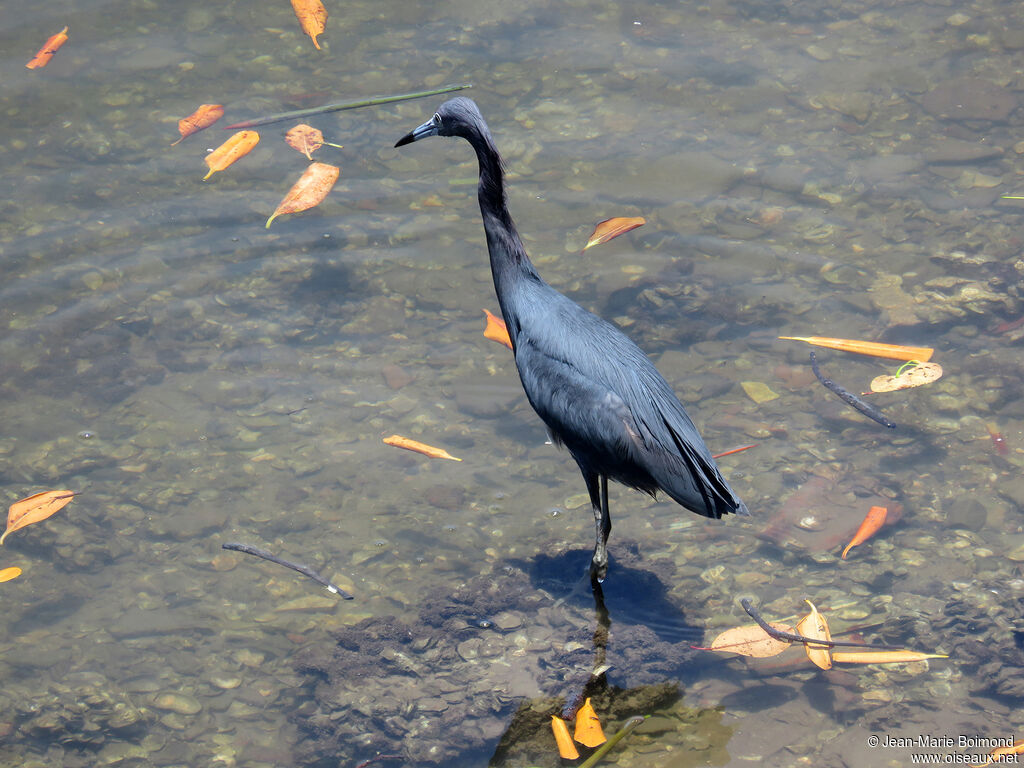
(456, 117)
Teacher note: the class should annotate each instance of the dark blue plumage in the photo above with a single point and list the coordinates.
(597, 392)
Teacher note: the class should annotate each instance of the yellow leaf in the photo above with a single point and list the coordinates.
(814, 626)
(758, 392)
(921, 373)
(751, 640)
(205, 116)
(238, 146)
(566, 749)
(306, 139)
(312, 18)
(891, 351)
(612, 228)
(588, 728)
(35, 508)
(309, 191)
(10, 573)
(414, 445)
(883, 657)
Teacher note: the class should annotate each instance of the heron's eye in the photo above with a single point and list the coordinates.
(437, 118)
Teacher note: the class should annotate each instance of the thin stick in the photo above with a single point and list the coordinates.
(305, 570)
(792, 638)
(370, 102)
(733, 450)
(851, 399)
(629, 725)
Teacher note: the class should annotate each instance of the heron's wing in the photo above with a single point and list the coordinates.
(663, 420)
(588, 418)
(589, 382)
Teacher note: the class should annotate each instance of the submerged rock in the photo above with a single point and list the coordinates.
(475, 656)
(970, 98)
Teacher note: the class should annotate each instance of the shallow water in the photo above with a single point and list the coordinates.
(808, 168)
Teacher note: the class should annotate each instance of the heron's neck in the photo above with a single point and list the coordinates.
(508, 256)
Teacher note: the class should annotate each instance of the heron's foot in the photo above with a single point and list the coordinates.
(598, 568)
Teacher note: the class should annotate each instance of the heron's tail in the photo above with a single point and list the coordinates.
(698, 485)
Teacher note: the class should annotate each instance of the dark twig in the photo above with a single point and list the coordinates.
(305, 570)
(793, 638)
(851, 399)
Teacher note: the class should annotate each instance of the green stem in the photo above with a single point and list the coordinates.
(630, 724)
(372, 101)
(908, 364)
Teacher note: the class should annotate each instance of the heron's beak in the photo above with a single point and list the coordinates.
(429, 128)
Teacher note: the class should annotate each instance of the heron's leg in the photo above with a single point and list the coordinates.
(597, 486)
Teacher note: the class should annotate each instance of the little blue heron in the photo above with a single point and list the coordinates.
(597, 392)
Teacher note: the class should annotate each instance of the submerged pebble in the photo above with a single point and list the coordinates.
(181, 703)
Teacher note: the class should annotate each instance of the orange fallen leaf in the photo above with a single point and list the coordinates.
(751, 640)
(877, 349)
(915, 376)
(874, 520)
(34, 508)
(998, 754)
(307, 139)
(814, 626)
(309, 191)
(235, 148)
(204, 117)
(312, 18)
(50, 47)
(566, 749)
(588, 728)
(612, 228)
(496, 330)
(10, 573)
(883, 657)
(415, 445)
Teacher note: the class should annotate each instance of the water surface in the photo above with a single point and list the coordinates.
(808, 168)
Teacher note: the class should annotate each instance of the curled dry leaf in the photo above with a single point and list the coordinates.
(921, 373)
(999, 754)
(204, 117)
(306, 139)
(34, 508)
(813, 625)
(312, 18)
(10, 573)
(414, 445)
(309, 191)
(50, 47)
(874, 348)
(751, 640)
(588, 727)
(612, 228)
(496, 330)
(883, 657)
(874, 520)
(238, 146)
(566, 749)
